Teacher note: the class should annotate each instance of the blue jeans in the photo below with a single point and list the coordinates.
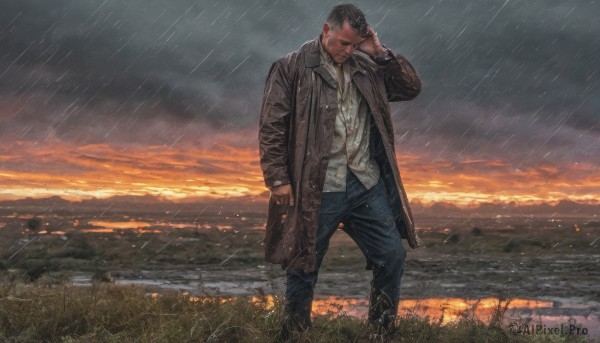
(369, 221)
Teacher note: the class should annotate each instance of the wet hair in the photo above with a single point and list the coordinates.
(352, 14)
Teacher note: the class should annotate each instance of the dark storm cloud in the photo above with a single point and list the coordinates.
(504, 79)
(113, 69)
(510, 79)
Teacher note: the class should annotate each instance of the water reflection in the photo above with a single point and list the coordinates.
(111, 226)
(448, 310)
(198, 286)
(140, 224)
(441, 309)
(119, 225)
(57, 233)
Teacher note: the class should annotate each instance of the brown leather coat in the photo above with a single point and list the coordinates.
(296, 128)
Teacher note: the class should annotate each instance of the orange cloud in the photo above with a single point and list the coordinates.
(473, 181)
(222, 170)
(102, 171)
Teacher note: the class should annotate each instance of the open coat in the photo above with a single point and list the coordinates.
(296, 127)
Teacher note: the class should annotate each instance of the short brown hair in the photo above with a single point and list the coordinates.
(352, 14)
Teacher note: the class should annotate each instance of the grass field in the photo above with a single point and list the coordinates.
(461, 257)
(109, 313)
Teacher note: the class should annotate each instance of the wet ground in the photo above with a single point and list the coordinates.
(547, 269)
(556, 291)
(575, 276)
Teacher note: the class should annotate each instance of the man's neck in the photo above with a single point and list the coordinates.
(321, 38)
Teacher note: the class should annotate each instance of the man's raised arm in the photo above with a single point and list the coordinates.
(401, 80)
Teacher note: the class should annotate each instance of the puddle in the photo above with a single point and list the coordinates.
(56, 233)
(543, 312)
(145, 225)
(559, 313)
(110, 226)
(119, 225)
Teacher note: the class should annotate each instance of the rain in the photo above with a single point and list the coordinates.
(129, 130)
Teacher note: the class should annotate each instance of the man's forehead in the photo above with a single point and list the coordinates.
(347, 32)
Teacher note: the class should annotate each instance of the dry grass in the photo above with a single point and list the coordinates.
(109, 313)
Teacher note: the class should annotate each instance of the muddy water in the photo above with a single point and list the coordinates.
(445, 292)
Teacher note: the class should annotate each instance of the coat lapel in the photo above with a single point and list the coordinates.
(313, 60)
(326, 76)
(366, 89)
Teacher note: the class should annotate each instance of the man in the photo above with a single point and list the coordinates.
(327, 154)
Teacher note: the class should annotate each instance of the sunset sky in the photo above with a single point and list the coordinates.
(133, 97)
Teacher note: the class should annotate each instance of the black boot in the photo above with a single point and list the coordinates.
(296, 318)
(382, 312)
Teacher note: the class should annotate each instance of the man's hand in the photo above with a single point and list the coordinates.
(371, 45)
(283, 195)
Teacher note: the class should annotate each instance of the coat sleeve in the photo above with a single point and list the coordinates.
(401, 80)
(273, 134)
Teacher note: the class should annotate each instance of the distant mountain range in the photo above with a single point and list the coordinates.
(132, 203)
(563, 207)
(258, 204)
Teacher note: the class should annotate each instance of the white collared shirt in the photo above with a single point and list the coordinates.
(350, 145)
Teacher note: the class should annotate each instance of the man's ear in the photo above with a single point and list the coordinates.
(326, 28)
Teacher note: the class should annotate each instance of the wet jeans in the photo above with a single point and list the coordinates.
(369, 221)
